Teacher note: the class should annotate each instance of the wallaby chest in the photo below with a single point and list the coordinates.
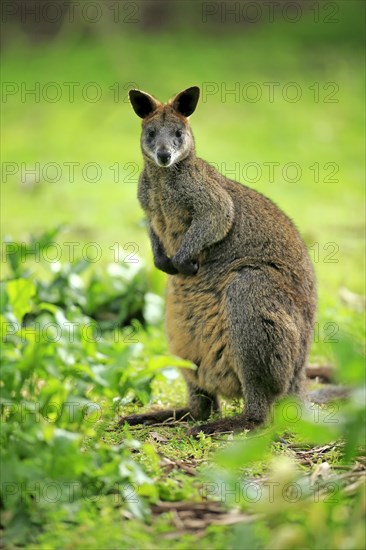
(169, 213)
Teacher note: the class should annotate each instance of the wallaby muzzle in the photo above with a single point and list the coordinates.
(163, 157)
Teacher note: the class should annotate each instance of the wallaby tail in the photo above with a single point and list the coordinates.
(330, 393)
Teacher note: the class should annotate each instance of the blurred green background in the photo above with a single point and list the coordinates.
(309, 59)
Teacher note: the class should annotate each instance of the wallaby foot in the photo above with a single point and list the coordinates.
(157, 417)
(264, 340)
(201, 406)
(234, 424)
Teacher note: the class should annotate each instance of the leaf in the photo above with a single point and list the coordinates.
(153, 308)
(20, 293)
(242, 453)
(165, 361)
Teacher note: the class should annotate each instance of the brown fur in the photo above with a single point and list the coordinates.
(241, 294)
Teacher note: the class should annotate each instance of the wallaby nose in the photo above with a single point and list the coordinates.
(164, 157)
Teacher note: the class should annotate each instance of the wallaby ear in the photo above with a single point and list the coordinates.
(185, 102)
(143, 104)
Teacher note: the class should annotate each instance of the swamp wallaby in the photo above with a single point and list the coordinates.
(241, 294)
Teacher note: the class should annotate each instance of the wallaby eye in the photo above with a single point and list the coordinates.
(178, 133)
(151, 133)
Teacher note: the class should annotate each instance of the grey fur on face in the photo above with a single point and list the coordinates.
(166, 140)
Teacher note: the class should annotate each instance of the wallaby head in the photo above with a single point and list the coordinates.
(166, 137)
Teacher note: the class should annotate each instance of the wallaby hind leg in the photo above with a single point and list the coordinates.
(264, 341)
(201, 406)
(297, 386)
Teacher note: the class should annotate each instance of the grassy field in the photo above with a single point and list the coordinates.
(306, 155)
(322, 192)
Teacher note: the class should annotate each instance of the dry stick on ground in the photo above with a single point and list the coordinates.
(195, 517)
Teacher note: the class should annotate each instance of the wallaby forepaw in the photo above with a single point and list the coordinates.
(166, 265)
(187, 267)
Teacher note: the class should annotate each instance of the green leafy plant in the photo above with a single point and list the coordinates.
(63, 378)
